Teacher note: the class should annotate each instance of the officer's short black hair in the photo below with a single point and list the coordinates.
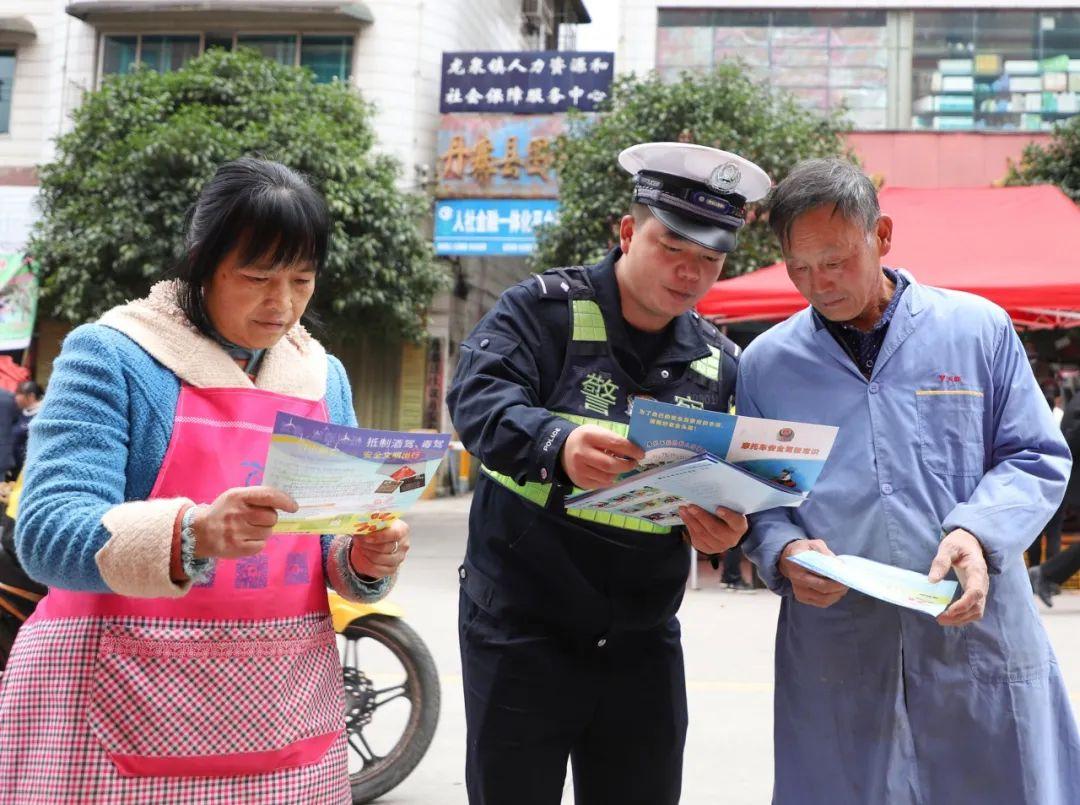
(640, 212)
(268, 210)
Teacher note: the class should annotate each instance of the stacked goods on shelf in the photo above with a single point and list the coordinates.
(990, 91)
(952, 102)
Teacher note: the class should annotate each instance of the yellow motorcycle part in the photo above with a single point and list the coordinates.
(344, 612)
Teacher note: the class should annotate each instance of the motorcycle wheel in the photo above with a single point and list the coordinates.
(386, 762)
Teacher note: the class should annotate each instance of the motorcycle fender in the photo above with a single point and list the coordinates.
(344, 612)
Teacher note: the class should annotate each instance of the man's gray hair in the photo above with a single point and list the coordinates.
(831, 182)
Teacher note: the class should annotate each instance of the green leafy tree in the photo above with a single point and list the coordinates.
(114, 200)
(724, 109)
(1057, 162)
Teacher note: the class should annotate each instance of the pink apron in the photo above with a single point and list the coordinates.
(231, 693)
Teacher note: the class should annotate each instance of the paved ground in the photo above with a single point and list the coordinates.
(728, 642)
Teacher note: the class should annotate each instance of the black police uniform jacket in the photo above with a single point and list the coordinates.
(524, 365)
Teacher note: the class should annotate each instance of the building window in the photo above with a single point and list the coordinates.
(7, 79)
(827, 59)
(995, 70)
(166, 53)
(213, 39)
(281, 49)
(120, 54)
(330, 57)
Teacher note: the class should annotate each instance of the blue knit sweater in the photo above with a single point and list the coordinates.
(99, 441)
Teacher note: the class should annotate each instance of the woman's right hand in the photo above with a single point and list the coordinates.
(239, 522)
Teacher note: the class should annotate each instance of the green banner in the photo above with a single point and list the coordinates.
(18, 301)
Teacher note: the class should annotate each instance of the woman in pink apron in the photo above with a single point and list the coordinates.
(184, 653)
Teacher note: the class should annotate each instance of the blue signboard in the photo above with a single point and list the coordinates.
(504, 227)
(525, 83)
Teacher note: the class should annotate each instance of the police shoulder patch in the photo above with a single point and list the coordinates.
(729, 346)
(718, 339)
(557, 283)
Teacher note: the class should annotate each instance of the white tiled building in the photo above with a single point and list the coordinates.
(52, 51)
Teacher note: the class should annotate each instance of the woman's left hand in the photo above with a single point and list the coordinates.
(380, 553)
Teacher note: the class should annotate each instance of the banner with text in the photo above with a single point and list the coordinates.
(477, 227)
(525, 82)
(498, 156)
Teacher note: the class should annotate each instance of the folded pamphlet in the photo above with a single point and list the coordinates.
(711, 459)
(348, 480)
(905, 588)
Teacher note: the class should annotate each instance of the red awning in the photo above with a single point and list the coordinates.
(1016, 246)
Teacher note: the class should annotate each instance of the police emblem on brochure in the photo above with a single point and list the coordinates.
(712, 459)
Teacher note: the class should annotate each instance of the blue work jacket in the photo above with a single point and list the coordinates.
(879, 704)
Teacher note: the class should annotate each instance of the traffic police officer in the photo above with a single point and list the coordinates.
(569, 642)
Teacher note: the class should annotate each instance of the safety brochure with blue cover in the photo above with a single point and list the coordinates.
(905, 588)
(348, 480)
(711, 459)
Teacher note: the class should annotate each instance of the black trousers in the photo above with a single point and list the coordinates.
(732, 571)
(533, 699)
(1053, 538)
(1059, 569)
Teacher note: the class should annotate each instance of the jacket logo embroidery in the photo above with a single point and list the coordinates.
(689, 402)
(600, 392)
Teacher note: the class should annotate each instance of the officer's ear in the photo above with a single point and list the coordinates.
(626, 232)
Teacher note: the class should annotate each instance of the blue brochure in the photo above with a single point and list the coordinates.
(905, 588)
(712, 459)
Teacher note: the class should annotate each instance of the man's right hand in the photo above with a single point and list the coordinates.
(809, 587)
(239, 522)
(593, 457)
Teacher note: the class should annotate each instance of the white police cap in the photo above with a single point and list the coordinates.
(697, 192)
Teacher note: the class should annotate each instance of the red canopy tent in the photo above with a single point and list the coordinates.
(1017, 246)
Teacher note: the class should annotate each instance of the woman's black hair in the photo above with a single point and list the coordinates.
(268, 210)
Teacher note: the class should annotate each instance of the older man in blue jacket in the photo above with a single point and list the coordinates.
(947, 461)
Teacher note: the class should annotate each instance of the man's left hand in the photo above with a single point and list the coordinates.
(960, 550)
(380, 553)
(713, 533)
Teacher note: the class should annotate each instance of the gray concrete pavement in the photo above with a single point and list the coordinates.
(728, 639)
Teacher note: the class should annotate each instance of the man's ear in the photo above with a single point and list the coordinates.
(626, 232)
(884, 235)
